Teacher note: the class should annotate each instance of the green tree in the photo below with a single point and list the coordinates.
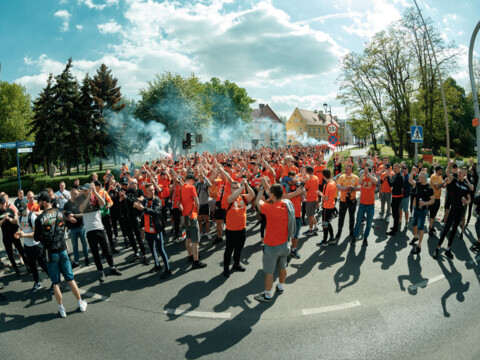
(179, 103)
(15, 117)
(85, 122)
(107, 98)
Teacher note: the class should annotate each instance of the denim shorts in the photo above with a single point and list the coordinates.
(419, 218)
(404, 205)
(298, 225)
(60, 264)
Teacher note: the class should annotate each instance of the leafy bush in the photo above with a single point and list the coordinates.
(443, 152)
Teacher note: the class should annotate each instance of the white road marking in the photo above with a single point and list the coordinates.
(93, 295)
(331, 308)
(426, 282)
(199, 314)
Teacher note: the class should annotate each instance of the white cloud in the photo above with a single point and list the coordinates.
(367, 23)
(90, 4)
(65, 16)
(79, 27)
(110, 27)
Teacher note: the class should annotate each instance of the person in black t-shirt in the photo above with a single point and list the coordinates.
(448, 195)
(424, 197)
(75, 227)
(459, 198)
(9, 225)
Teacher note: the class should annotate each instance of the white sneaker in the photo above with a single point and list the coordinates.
(83, 306)
(62, 312)
(209, 237)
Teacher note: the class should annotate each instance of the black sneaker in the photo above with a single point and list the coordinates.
(414, 240)
(365, 242)
(145, 260)
(166, 274)
(308, 232)
(217, 240)
(155, 269)
(278, 290)
(114, 271)
(198, 265)
(226, 273)
(476, 246)
(331, 241)
(449, 254)
(435, 254)
(320, 243)
(114, 251)
(134, 259)
(190, 259)
(354, 240)
(87, 262)
(295, 253)
(461, 236)
(101, 278)
(75, 265)
(417, 250)
(238, 267)
(262, 298)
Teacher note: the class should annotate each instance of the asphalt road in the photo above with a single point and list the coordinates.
(340, 302)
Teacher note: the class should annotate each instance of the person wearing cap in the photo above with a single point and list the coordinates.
(9, 225)
(75, 227)
(90, 204)
(33, 249)
(49, 226)
(437, 183)
(189, 206)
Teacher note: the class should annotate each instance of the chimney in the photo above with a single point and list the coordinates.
(261, 106)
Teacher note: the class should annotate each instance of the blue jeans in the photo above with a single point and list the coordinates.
(362, 210)
(76, 233)
(419, 218)
(60, 264)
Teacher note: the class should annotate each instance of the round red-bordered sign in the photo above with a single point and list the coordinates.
(332, 128)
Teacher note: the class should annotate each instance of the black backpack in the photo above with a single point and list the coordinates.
(53, 231)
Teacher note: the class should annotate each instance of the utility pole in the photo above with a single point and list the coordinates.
(474, 90)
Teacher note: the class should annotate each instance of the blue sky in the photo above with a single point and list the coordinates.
(284, 52)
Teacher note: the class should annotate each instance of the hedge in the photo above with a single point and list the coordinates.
(38, 182)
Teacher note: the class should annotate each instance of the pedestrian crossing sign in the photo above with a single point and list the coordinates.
(417, 134)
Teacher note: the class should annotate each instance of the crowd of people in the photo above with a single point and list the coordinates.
(286, 188)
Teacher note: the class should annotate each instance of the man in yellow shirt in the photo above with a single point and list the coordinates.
(347, 184)
(437, 183)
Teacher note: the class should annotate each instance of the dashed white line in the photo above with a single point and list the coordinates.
(93, 295)
(325, 309)
(199, 314)
(426, 282)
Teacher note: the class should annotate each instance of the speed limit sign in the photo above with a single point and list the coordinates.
(332, 128)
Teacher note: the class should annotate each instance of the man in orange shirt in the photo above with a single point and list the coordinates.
(236, 223)
(295, 196)
(276, 249)
(311, 186)
(189, 206)
(368, 182)
(385, 190)
(347, 184)
(328, 193)
(32, 205)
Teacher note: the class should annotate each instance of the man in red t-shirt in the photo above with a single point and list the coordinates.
(368, 183)
(276, 249)
(189, 206)
(236, 223)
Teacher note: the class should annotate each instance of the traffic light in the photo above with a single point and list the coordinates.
(198, 138)
(184, 145)
(188, 140)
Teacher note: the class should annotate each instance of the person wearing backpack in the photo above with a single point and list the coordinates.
(236, 223)
(50, 232)
(33, 249)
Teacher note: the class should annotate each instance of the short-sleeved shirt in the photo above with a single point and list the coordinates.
(8, 228)
(311, 185)
(459, 190)
(423, 193)
(276, 232)
(296, 201)
(62, 197)
(188, 192)
(345, 180)
(367, 192)
(436, 180)
(330, 191)
(24, 225)
(317, 171)
(236, 218)
(385, 188)
(33, 207)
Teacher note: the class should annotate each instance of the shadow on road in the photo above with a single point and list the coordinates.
(414, 276)
(456, 285)
(349, 273)
(388, 255)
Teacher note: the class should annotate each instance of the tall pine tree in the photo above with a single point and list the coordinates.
(107, 98)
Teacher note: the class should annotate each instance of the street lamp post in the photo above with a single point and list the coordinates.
(474, 90)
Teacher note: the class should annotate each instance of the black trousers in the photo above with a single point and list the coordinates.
(344, 206)
(34, 255)
(116, 217)
(263, 225)
(326, 224)
(132, 227)
(176, 213)
(97, 238)
(235, 241)
(453, 220)
(395, 210)
(108, 228)
(9, 241)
